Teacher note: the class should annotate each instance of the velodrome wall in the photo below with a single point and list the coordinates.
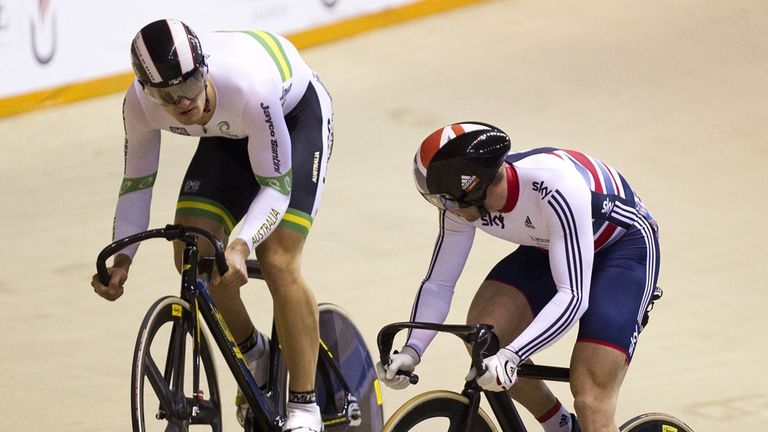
(58, 51)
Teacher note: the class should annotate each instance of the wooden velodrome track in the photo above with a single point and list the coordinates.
(674, 94)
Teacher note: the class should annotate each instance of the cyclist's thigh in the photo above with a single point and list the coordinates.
(623, 278)
(597, 372)
(218, 187)
(310, 126)
(205, 249)
(514, 291)
(280, 257)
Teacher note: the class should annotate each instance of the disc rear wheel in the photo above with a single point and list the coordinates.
(347, 348)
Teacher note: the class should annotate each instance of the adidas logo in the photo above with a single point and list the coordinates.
(467, 181)
(528, 223)
(607, 206)
(564, 420)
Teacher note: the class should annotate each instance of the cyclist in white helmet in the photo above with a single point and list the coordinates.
(588, 252)
(265, 125)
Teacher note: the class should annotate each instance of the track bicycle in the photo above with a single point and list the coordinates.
(175, 388)
(443, 410)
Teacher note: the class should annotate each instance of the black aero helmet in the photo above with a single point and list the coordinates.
(166, 54)
(455, 164)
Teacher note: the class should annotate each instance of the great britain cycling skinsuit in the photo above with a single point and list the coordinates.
(588, 253)
(262, 156)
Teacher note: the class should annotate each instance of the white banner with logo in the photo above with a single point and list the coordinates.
(46, 44)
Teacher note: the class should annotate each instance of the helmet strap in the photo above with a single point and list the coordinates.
(483, 211)
(480, 204)
(207, 107)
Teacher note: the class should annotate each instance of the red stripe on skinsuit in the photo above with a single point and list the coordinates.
(586, 163)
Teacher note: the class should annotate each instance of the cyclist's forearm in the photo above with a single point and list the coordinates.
(264, 215)
(131, 216)
(122, 260)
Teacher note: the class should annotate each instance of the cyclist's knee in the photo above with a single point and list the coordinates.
(280, 257)
(586, 403)
(204, 248)
(595, 400)
(280, 272)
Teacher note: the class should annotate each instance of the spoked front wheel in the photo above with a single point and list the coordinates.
(437, 411)
(655, 422)
(163, 396)
(348, 351)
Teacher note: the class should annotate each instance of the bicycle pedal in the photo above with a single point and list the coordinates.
(355, 415)
(657, 293)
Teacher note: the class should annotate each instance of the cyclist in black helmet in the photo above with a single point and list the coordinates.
(588, 253)
(264, 122)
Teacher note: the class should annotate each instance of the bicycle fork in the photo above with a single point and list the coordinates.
(472, 393)
(197, 393)
(186, 408)
(505, 411)
(173, 373)
(189, 284)
(501, 404)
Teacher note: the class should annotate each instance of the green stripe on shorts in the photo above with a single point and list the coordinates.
(297, 221)
(201, 207)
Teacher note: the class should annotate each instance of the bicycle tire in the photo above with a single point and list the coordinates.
(173, 411)
(348, 349)
(655, 422)
(437, 410)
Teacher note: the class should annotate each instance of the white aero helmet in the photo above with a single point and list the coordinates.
(168, 61)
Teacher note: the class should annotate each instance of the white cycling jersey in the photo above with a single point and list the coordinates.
(560, 200)
(259, 77)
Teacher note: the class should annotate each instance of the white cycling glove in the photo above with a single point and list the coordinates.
(406, 361)
(501, 371)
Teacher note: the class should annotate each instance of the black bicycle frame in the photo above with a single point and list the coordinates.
(267, 414)
(340, 416)
(478, 337)
(268, 417)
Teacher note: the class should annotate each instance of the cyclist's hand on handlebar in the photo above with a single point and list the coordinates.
(237, 275)
(500, 371)
(406, 361)
(118, 274)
